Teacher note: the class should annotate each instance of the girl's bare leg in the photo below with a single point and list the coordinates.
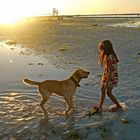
(112, 97)
(102, 98)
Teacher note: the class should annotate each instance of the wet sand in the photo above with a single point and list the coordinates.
(42, 50)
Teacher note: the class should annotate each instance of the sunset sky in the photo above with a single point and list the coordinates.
(15, 9)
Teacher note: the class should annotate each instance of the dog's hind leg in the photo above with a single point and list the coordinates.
(45, 98)
(42, 105)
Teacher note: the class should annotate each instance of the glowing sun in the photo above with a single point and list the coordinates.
(13, 10)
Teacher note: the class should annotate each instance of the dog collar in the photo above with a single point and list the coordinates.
(77, 84)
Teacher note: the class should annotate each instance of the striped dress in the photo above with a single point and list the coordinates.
(114, 74)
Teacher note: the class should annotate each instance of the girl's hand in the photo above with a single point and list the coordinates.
(106, 85)
(109, 63)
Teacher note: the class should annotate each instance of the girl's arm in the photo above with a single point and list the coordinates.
(109, 69)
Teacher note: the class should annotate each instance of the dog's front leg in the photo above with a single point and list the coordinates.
(69, 101)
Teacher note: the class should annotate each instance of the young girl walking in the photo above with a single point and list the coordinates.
(108, 59)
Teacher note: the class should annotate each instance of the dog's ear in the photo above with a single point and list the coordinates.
(77, 74)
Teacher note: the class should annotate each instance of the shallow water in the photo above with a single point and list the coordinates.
(130, 23)
(21, 116)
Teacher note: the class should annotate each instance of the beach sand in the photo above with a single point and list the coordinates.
(41, 50)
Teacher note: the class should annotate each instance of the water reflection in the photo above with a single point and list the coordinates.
(22, 118)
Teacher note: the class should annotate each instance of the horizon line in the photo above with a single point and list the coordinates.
(106, 14)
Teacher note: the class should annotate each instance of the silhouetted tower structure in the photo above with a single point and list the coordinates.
(55, 12)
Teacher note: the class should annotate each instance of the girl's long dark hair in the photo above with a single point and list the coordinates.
(106, 48)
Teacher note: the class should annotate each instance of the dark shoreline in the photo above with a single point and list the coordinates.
(78, 16)
(130, 15)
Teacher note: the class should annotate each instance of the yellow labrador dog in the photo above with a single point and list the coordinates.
(65, 88)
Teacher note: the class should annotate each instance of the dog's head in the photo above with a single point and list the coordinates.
(80, 73)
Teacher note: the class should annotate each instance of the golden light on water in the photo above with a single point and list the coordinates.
(10, 96)
(14, 94)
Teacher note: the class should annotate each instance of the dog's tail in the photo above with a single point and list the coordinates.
(27, 81)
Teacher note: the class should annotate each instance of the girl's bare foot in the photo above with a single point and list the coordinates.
(115, 109)
(97, 108)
